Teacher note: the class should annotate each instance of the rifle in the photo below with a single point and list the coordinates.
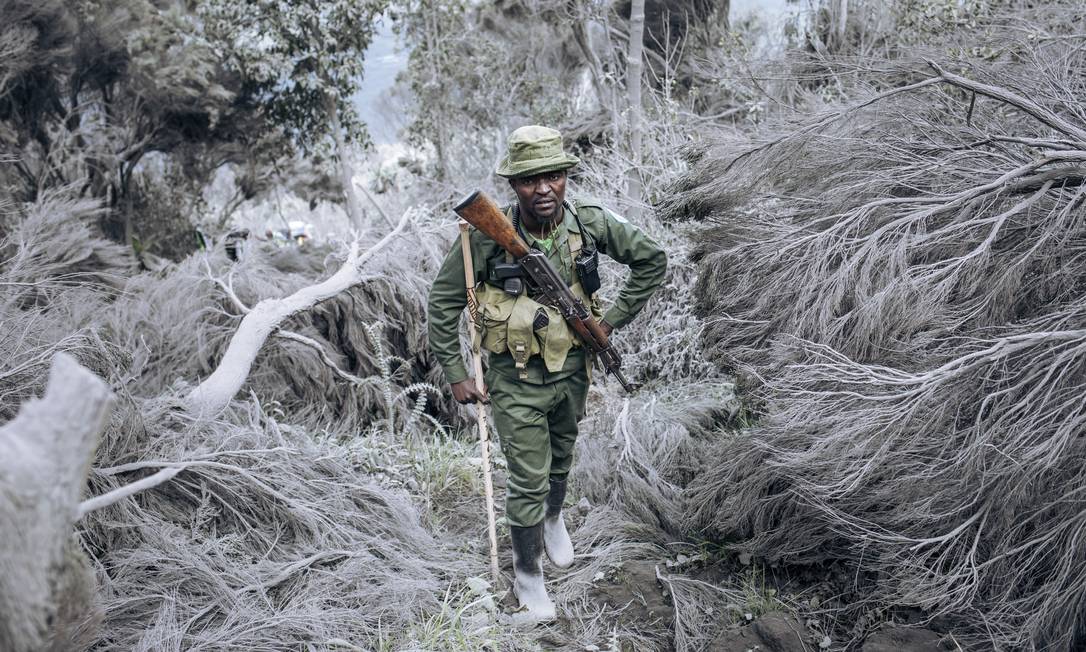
(481, 211)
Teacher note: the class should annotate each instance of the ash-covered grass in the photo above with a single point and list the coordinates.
(319, 513)
(292, 521)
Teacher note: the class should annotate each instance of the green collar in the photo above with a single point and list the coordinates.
(559, 235)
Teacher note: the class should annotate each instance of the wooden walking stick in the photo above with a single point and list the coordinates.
(484, 431)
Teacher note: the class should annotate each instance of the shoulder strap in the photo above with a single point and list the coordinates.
(513, 215)
(575, 243)
(585, 235)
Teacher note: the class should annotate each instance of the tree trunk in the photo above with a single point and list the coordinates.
(584, 43)
(633, 87)
(346, 170)
(841, 24)
(433, 41)
(45, 454)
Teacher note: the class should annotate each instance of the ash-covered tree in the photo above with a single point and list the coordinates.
(476, 71)
(104, 85)
(117, 97)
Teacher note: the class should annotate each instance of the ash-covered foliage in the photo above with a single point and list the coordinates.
(900, 274)
(55, 274)
(276, 529)
(271, 533)
(63, 287)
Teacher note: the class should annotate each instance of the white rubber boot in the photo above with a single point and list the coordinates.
(555, 536)
(535, 604)
(556, 540)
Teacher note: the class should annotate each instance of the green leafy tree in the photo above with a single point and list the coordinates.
(296, 57)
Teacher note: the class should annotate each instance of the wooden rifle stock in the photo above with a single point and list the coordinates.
(484, 214)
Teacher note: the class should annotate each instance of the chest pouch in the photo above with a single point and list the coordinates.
(510, 276)
(588, 270)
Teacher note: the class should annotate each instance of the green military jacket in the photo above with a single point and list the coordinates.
(612, 235)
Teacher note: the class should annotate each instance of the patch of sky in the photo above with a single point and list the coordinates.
(384, 59)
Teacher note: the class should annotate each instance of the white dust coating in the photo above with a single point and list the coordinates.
(45, 454)
(215, 392)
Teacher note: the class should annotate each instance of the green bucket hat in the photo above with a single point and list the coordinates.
(534, 149)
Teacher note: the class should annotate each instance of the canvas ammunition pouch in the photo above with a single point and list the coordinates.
(519, 324)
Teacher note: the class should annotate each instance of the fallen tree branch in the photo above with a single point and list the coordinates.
(120, 493)
(216, 391)
(1003, 95)
(302, 564)
(830, 118)
(201, 463)
(905, 285)
(228, 288)
(323, 355)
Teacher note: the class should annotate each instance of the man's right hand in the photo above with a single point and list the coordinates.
(466, 392)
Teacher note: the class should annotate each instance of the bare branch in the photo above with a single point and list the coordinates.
(1003, 95)
(324, 357)
(131, 489)
(216, 391)
(227, 288)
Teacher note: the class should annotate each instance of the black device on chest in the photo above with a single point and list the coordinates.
(588, 269)
(511, 277)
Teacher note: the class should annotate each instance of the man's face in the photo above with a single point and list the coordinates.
(541, 195)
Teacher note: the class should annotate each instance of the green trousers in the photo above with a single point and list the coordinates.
(537, 429)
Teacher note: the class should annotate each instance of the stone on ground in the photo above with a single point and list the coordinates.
(776, 631)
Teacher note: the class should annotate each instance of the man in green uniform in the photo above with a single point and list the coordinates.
(537, 378)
